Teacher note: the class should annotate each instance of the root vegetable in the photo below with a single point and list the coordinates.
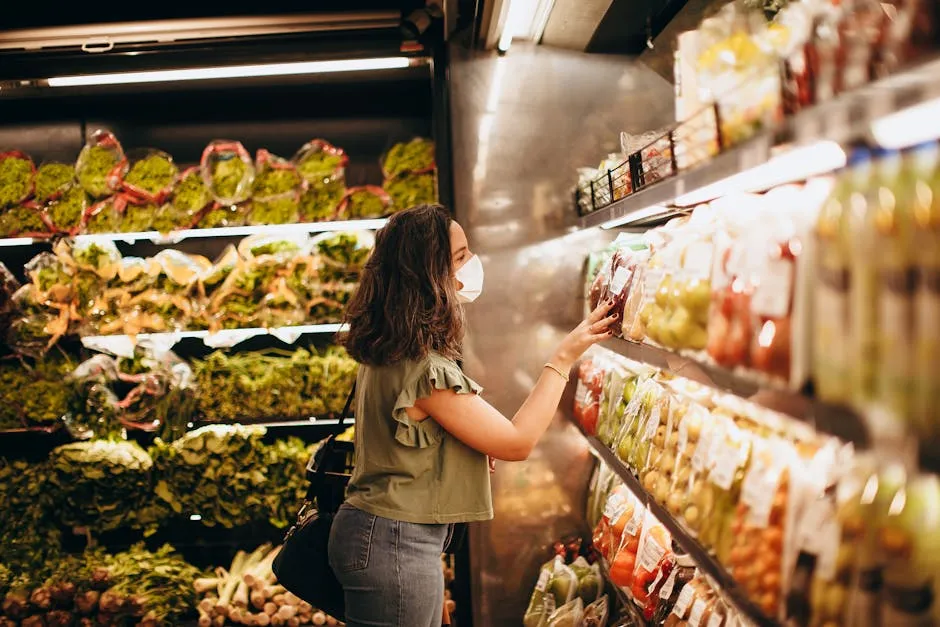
(218, 621)
(270, 608)
(204, 619)
(292, 599)
(205, 584)
(207, 605)
(240, 598)
(332, 622)
(279, 599)
(262, 619)
(287, 611)
(258, 599)
(33, 621)
(319, 618)
(293, 622)
(277, 621)
(272, 591)
(87, 602)
(41, 598)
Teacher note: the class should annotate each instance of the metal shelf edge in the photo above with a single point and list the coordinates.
(703, 559)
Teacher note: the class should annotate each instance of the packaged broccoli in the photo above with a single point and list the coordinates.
(190, 194)
(323, 167)
(277, 191)
(68, 209)
(104, 216)
(150, 176)
(365, 202)
(17, 178)
(24, 220)
(227, 171)
(53, 179)
(409, 189)
(415, 156)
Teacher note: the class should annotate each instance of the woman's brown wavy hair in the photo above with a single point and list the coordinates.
(406, 304)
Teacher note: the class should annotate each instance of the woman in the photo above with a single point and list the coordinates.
(423, 433)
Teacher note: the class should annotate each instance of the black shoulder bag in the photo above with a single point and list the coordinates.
(302, 565)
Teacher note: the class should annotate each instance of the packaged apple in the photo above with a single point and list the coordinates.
(587, 393)
(700, 499)
(732, 457)
(611, 421)
(660, 296)
(655, 545)
(758, 528)
(542, 602)
(630, 440)
(687, 432)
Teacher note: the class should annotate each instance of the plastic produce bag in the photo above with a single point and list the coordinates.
(101, 164)
(411, 189)
(276, 191)
(655, 543)
(323, 167)
(590, 582)
(25, 220)
(68, 209)
(190, 194)
(568, 615)
(542, 602)
(17, 178)
(596, 613)
(52, 179)
(415, 156)
(150, 176)
(227, 171)
(104, 216)
(365, 202)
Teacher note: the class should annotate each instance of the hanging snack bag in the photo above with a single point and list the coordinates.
(365, 202)
(17, 178)
(101, 164)
(227, 171)
(150, 176)
(53, 179)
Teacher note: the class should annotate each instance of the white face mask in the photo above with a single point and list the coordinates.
(471, 276)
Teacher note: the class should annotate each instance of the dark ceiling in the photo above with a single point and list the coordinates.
(629, 24)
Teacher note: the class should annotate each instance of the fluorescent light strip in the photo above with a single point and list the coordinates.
(227, 231)
(636, 216)
(15, 241)
(234, 71)
(98, 342)
(795, 165)
(908, 127)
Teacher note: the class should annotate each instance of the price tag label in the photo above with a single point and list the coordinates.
(684, 600)
(697, 613)
(700, 458)
(775, 291)
(715, 620)
(621, 278)
(651, 554)
(615, 507)
(653, 423)
(683, 436)
(758, 491)
(635, 522)
(666, 591)
(542, 584)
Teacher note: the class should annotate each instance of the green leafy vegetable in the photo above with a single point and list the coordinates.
(152, 174)
(318, 167)
(191, 195)
(413, 156)
(284, 209)
(321, 200)
(138, 218)
(16, 179)
(53, 178)
(34, 393)
(20, 220)
(364, 203)
(105, 219)
(94, 168)
(229, 176)
(408, 190)
(66, 212)
(227, 215)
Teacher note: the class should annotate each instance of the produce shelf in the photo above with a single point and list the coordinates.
(174, 237)
(123, 345)
(704, 560)
(846, 118)
(841, 422)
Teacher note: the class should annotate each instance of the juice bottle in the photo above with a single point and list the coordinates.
(893, 225)
(863, 289)
(927, 305)
(831, 355)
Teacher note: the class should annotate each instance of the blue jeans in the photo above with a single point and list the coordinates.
(390, 570)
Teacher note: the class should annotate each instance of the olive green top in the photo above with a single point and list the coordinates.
(415, 471)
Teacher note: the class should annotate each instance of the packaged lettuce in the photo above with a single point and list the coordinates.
(104, 216)
(67, 210)
(277, 191)
(23, 221)
(416, 156)
(408, 189)
(101, 164)
(227, 171)
(17, 174)
(151, 176)
(320, 162)
(321, 201)
(169, 217)
(190, 195)
(138, 218)
(541, 603)
(363, 202)
(53, 179)
(225, 215)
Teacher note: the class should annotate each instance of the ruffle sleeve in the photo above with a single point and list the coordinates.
(433, 375)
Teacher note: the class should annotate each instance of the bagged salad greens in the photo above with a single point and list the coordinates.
(407, 190)
(323, 167)
(52, 179)
(101, 164)
(190, 195)
(68, 209)
(23, 221)
(150, 176)
(276, 191)
(363, 202)
(416, 155)
(104, 216)
(17, 174)
(227, 171)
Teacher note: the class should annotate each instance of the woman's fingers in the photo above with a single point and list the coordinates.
(600, 311)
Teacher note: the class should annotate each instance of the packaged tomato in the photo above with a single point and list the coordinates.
(623, 564)
(622, 267)
(606, 537)
(655, 544)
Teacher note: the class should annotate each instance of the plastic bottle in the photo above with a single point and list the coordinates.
(894, 242)
(926, 213)
(832, 357)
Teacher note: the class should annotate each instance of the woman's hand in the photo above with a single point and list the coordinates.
(592, 330)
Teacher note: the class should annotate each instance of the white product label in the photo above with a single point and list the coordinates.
(580, 394)
(633, 525)
(685, 598)
(818, 516)
(773, 294)
(653, 423)
(683, 436)
(758, 491)
(697, 613)
(650, 555)
(698, 259)
(828, 556)
(666, 591)
(715, 620)
(702, 450)
(620, 280)
(654, 276)
(720, 276)
(615, 507)
(542, 584)
(725, 465)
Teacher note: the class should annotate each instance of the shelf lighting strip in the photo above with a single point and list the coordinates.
(232, 71)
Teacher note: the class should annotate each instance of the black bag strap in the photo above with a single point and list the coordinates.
(330, 443)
